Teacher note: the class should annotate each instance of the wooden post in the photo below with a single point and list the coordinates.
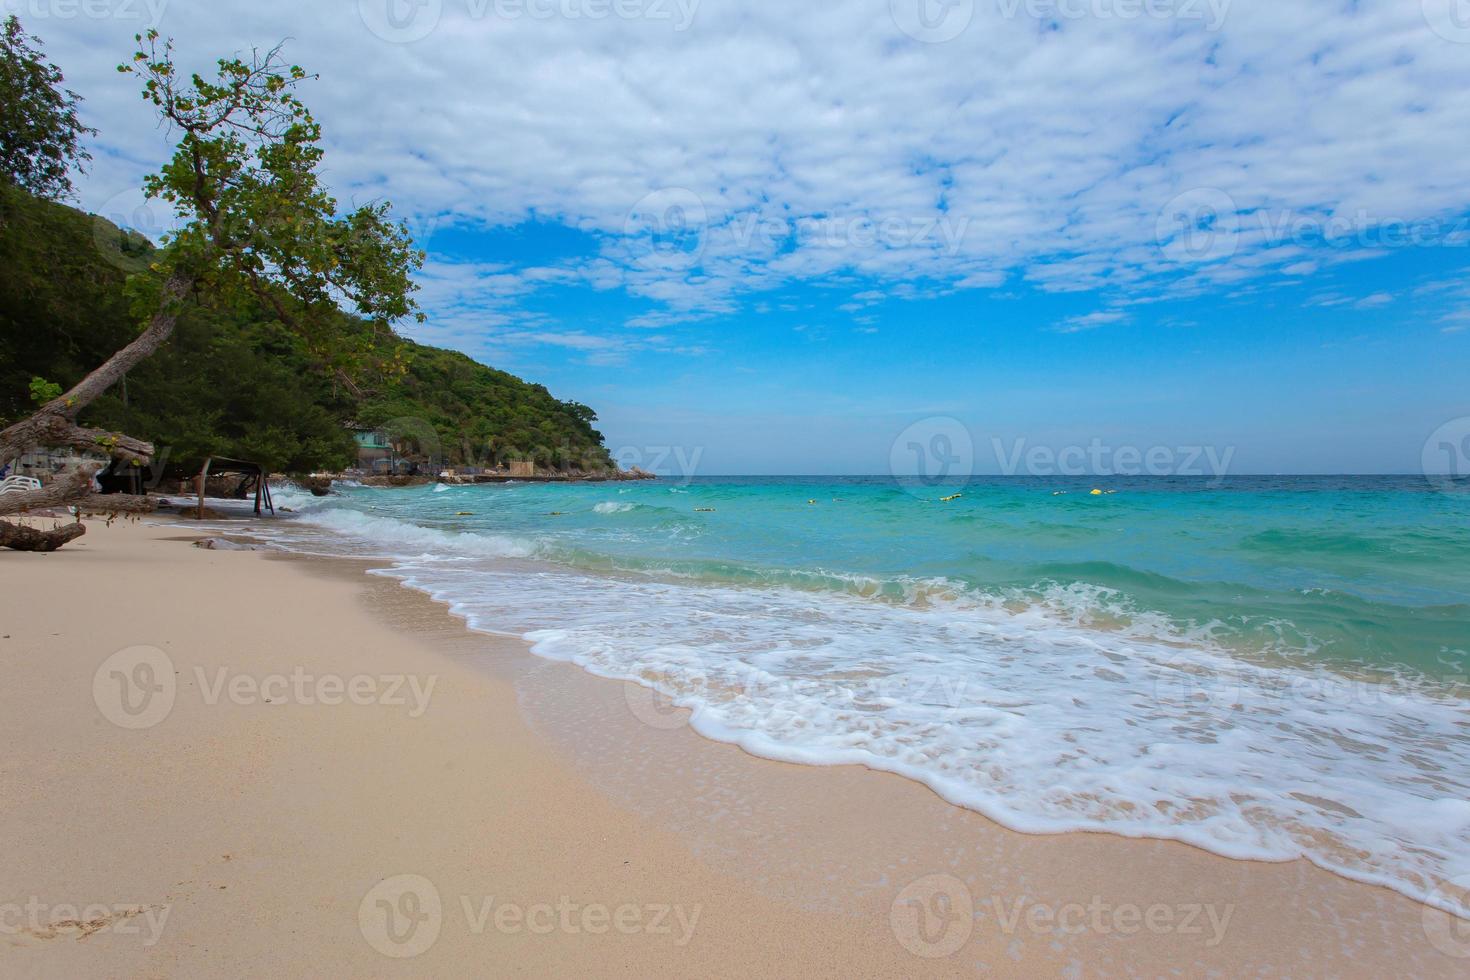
(203, 478)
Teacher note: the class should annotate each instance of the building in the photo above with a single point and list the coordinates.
(374, 450)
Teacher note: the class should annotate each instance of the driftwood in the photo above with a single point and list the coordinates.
(118, 503)
(72, 490)
(29, 539)
(60, 492)
(75, 489)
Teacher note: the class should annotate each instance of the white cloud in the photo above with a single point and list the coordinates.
(1456, 322)
(822, 144)
(1091, 321)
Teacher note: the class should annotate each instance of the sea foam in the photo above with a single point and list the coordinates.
(1023, 708)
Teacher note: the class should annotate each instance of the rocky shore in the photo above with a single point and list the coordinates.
(452, 478)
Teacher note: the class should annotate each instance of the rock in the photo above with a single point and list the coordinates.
(221, 544)
(319, 486)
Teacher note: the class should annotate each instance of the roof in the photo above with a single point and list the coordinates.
(217, 465)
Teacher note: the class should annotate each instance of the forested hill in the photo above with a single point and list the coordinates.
(240, 385)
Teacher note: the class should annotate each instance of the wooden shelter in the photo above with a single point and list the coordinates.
(256, 478)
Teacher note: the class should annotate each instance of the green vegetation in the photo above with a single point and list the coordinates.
(231, 336)
(485, 416)
(237, 382)
(39, 125)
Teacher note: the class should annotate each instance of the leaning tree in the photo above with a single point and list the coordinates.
(254, 228)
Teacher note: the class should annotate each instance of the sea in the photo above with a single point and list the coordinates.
(1269, 668)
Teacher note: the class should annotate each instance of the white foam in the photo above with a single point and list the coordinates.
(1027, 713)
(388, 537)
(608, 507)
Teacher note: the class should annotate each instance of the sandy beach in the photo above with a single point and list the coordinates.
(226, 762)
(672, 489)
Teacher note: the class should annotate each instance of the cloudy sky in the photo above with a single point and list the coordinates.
(780, 236)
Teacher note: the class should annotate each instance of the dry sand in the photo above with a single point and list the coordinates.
(182, 795)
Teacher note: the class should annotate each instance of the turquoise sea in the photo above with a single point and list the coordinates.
(1268, 668)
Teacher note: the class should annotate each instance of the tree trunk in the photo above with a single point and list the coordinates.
(117, 503)
(54, 424)
(66, 488)
(29, 539)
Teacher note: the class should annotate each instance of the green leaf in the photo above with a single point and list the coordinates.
(43, 391)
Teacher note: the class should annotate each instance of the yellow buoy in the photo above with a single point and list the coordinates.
(1097, 493)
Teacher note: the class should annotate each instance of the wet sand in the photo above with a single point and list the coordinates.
(340, 778)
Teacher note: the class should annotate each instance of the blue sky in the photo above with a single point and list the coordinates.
(1346, 370)
(775, 237)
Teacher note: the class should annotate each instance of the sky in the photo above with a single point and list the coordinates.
(872, 236)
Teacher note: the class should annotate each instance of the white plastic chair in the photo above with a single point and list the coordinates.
(19, 484)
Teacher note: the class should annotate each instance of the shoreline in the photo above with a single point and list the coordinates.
(841, 870)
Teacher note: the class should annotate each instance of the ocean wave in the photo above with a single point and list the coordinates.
(395, 538)
(1057, 702)
(1049, 726)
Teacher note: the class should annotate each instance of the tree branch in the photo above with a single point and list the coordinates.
(56, 430)
(118, 445)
